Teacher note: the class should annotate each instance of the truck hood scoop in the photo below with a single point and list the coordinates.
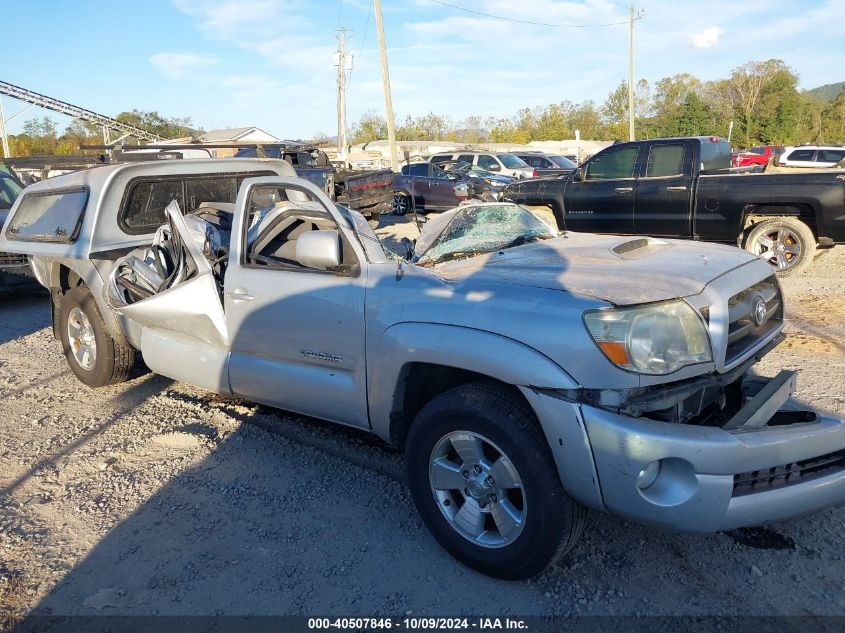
(620, 270)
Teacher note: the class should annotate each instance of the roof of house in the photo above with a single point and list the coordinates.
(231, 134)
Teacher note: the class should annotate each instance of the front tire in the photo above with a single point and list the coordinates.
(786, 243)
(93, 354)
(485, 483)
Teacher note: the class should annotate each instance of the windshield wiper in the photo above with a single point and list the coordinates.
(517, 241)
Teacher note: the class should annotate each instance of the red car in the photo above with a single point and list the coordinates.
(757, 155)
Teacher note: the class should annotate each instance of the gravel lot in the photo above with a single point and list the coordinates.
(153, 497)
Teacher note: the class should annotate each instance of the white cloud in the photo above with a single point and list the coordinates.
(707, 38)
(177, 65)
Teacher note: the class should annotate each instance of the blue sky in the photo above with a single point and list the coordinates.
(268, 62)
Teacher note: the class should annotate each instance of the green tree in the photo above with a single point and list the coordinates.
(168, 128)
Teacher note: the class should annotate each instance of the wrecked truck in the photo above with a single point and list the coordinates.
(527, 374)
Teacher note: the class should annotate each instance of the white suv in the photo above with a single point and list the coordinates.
(811, 156)
(502, 163)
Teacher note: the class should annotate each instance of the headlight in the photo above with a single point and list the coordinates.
(655, 339)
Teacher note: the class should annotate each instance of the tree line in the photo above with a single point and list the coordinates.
(41, 136)
(761, 98)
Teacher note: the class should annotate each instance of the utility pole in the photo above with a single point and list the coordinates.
(3, 131)
(633, 18)
(343, 61)
(388, 100)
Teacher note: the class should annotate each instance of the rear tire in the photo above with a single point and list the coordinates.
(93, 354)
(786, 243)
(541, 523)
(401, 204)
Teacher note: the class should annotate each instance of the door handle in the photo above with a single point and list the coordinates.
(679, 188)
(239, 295)
(624, 189)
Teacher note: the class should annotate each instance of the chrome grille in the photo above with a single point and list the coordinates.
(788, 474)
(753, 314)
(13, 259)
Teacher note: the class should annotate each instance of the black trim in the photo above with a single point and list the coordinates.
(69, 239)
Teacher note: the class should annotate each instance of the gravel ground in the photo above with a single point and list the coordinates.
(153, 497)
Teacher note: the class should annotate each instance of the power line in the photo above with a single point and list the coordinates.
(363, 41)
(499, 17)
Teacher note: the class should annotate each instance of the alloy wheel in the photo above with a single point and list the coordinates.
(478, 489)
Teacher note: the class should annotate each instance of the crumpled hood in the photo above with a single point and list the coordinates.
(622, 270)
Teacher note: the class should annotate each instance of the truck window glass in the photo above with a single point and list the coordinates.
(54, 217)
(665, 160)
(467, 158)
(613, 164)
(441, 158)
(209, 190)
(276, 218)
(144, 209)
(420, 169)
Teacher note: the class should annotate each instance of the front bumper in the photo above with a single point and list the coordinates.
(703, 484)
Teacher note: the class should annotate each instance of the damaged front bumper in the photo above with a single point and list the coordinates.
(772, 460)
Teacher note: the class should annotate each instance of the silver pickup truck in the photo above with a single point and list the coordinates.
(527, 374)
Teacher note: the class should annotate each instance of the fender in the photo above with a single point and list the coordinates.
(498, 357)
(492, 355)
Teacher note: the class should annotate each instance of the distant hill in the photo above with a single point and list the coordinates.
(827, 92)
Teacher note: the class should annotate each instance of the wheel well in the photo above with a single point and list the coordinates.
(63, 279)
(756, 213)
(419, 383)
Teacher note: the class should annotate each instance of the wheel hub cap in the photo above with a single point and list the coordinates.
(477, 489)
(83, 343)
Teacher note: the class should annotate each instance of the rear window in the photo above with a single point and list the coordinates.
(830, 155)
(146, 200)
(715, 154)
(441, 158)
(49, 217)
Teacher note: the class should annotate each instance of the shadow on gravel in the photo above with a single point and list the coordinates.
(126, 401)
(35, 306)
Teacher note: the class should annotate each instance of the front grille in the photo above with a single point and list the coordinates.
(747, 323)
(13, 259)
(788, 474)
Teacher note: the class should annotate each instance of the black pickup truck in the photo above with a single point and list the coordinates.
(685, 188)
(368, 192)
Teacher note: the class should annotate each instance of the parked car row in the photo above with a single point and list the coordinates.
(800, 156)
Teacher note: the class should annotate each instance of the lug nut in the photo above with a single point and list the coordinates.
(477, 469)
(491, 481)
(481, 503)
(465, 474)
(493, 498)
(446, 502)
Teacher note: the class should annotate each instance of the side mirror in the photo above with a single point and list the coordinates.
(493, 167)
(579, 175)
(318, 249)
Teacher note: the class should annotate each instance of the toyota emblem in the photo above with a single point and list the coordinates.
(760, 312)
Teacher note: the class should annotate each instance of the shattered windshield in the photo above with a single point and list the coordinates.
(479, 229)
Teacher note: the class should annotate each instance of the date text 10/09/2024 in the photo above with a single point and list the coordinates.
(418, 624)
